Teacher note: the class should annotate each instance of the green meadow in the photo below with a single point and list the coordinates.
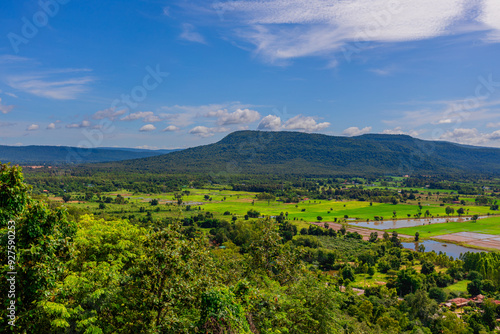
(238, 203)
(487, 225)
(460, 286)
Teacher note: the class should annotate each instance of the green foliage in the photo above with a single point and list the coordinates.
(42, 243)
(437, 294)
(203, 274)
(221, 313)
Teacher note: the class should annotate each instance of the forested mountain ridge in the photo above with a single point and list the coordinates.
(70, 155)
(295, 153)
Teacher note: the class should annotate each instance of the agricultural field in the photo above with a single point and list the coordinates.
(239, 203)
(487, 226)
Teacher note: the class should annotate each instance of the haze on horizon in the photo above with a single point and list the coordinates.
(175, 74)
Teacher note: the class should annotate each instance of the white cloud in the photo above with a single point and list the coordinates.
(152, 119)
(137, 115)
(270, 122)
(240, 116)
(146, 116)
(494, 135)
(147, 128)
(471, 136)
(355, 131)
(493, 125)
(399, 131)
(147, 147)
(83, 124)
(490, 16)
(462, 135)
(5, 109)
(456, 112)
(304, 123)
(189, 34)
(51, 126)
(282, 30)
(299, 123)
(204, 132)
(171, 128)
(201, 131)
(33, 127)
(55, 84)
(181, 115)
(110, 113)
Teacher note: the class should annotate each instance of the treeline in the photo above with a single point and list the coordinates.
(464, 185)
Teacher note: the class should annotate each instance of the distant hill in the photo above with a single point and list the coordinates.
(70, 155)
(295, 153)
(138, 150)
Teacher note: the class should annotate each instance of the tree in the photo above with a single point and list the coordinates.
(427, 268)
(460, 211)
(474, 287)
(221, 313)
(42, 247)
(154, 202)
(417, 236)
(271, 257)
(373, 237)
(489, 313)
(449, 210)
(178, 197)
(395, 240)
(439, 295)
(319, 218)
(347, 273)
(66, 198)
(421, 306)
(407, 281)
(343, 230)
(253, 213)
(119, 199)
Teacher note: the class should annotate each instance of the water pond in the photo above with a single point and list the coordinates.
(400, 223)
(436, 246)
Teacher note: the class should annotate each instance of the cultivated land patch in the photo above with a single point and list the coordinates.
(486, 226)
(365, 233)
(472, 238)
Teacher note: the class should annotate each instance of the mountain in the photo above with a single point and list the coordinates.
(295, 153)
(70, 155)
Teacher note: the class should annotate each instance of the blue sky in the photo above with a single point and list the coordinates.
(175, 74)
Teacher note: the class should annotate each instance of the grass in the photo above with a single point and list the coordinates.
(487, 226)
(459, 287)
(364, 280)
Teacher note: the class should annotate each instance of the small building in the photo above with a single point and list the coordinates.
(460, 302)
